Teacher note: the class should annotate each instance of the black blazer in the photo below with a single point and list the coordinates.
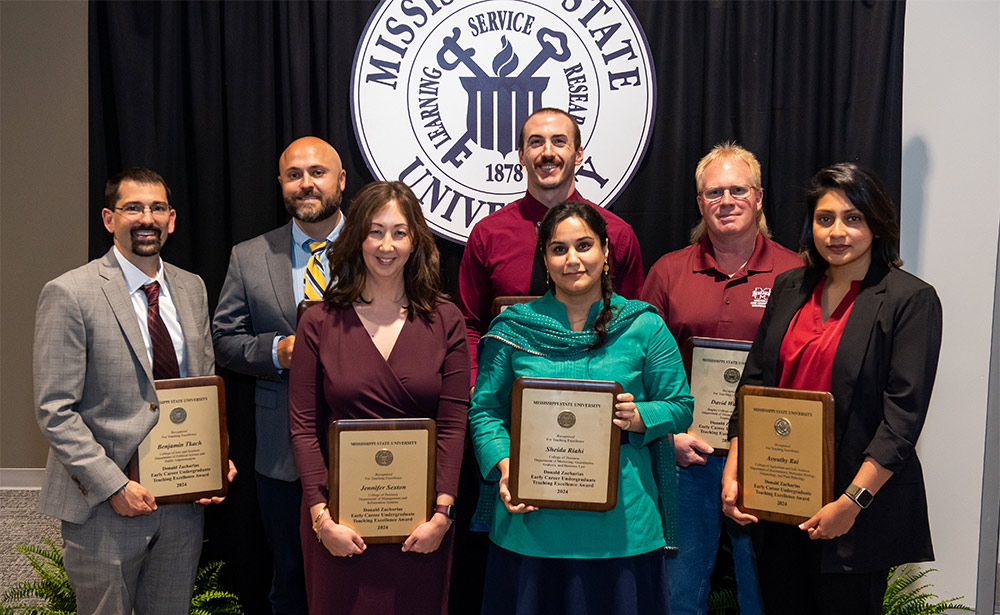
(883, 373)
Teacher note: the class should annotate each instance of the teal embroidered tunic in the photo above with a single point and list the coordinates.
(534, 339)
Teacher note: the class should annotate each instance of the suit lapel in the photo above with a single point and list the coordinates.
(279, 267)
(853, 346)
(800, 288)
(121, 306)
(181, 296)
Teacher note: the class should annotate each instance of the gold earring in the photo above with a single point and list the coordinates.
(606, 268)
(547, 280)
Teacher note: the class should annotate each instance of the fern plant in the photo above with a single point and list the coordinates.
(209, 598)
(904, 597)
(51, 593)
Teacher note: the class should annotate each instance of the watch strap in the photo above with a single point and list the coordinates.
(447, 510)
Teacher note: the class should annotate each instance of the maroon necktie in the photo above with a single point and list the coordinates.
(164, 357)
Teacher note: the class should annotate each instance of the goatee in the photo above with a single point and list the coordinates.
(147, 247)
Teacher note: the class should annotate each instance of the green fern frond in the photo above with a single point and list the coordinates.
(52, 588)
(903, 597)
(722, 600)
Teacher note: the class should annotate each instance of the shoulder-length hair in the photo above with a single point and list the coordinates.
(422, 271)
(589, 215)
(863, 188)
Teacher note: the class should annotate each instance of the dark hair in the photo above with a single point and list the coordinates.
(576, 127)
(422, 271)
(139, 175)
(863, 188)
(589, 215)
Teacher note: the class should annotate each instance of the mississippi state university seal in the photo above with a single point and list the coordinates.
(440, 89)
(383, 457)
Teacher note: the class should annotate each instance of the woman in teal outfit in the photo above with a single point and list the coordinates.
(571, 561)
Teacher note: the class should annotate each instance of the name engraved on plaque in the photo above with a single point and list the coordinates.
(378, 495)
(181, 453)
(784, 473)
(562, 463)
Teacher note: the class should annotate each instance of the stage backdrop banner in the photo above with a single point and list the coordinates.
(438, 98)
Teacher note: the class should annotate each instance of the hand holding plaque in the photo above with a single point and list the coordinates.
(382, 476)
(564, 445)
(185, 457)
(714, 368)
(785, 453)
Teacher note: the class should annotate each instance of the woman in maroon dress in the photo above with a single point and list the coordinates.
(384, 344)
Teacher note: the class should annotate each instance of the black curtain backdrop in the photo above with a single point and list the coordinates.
(210, 93)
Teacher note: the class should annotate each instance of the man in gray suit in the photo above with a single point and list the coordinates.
(94, 366)
(254, 334)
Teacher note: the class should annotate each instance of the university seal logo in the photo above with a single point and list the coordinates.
(440, 89)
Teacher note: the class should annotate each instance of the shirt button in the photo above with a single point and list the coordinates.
(727, 300)
(152, 407)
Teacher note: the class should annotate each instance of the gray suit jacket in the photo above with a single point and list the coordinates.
(257, 303)
(94, 391)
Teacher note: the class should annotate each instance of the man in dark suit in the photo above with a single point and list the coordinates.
(103, 333)
(254, 334)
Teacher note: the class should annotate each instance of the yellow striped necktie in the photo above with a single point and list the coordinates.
(315, 279)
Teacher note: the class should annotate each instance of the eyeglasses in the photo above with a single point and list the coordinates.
(135, 210)
(737, 192)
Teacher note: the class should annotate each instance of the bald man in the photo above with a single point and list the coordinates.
(254, 334)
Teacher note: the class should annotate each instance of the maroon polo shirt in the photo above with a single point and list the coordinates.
(501, 251)
(696, 299)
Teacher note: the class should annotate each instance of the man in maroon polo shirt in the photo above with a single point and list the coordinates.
(500, 254)
(716, 287)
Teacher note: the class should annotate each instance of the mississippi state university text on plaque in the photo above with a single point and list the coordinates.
(185, 456)
(714, 369)
(564, 446)
(382, 476)
(785, 452)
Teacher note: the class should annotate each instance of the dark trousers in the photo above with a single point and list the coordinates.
(788, 569)
(280, 502)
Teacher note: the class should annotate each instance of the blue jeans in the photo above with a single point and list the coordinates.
(280, 504)
(701, 521)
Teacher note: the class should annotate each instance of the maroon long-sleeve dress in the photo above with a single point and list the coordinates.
(338, 373)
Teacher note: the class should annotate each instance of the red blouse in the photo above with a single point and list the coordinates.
(809, 345)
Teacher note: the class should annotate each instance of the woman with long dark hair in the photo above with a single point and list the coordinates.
(571, 561)
(853, 323)
(384, 344)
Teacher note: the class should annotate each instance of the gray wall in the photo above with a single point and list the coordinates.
(43, 191)
(951, 127)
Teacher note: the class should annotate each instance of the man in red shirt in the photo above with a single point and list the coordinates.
(499, 257)
(500, 260)
(716, 287)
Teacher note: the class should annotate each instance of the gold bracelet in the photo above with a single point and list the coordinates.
(316, 521)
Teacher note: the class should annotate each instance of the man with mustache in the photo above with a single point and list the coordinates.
(254, 334)
(500, 259)
(103, 333)
(716, 287)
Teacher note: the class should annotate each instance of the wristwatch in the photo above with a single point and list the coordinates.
(447, 510)
(861, 496)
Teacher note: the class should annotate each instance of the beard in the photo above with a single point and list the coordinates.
(328, 206)
(146, 247)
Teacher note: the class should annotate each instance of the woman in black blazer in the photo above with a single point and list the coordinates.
(876, 349)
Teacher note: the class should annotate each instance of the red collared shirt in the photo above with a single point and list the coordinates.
(501, 251)
(696, 299)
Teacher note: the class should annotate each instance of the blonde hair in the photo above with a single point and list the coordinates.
(728, 149)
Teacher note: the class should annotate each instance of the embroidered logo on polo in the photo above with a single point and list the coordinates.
(440, 89)
(759, 297)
